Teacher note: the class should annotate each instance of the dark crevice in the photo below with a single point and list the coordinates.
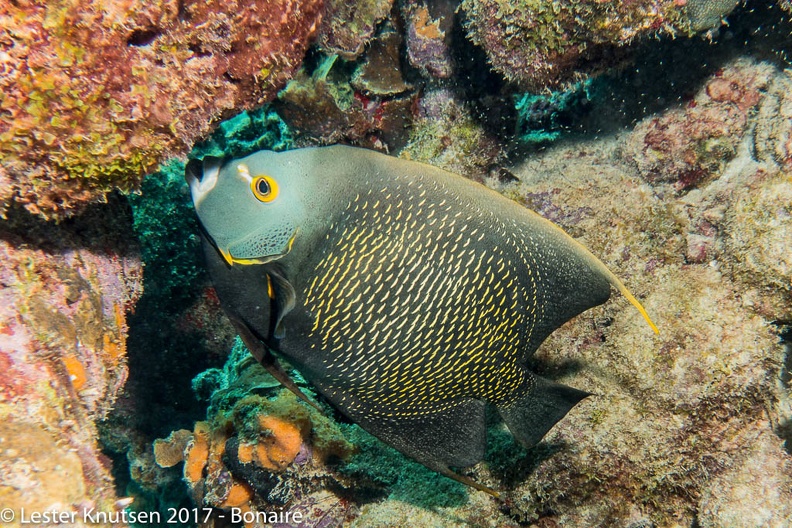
(142, 37)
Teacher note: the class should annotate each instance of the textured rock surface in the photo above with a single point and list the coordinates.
(683, 427)
(540, 43)
(348, 26)
(95, 95)
(65, 291)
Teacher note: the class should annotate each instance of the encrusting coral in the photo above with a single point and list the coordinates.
(64, 294)
(541, 43)
(260, 448)
(323, 105)
(348, 26)
(688, 146)
(95, 95)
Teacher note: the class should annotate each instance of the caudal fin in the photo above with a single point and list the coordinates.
(535, 412)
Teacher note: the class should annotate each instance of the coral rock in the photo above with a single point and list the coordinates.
(687, 147)
(445, 134)
(96, 96)
(380, 73)
(348, 26)
(428, 37)
(774, 123)
(324, 106)
(255, 452)
(64, 294)
(540, 43)
(754, 491)
(170, 451)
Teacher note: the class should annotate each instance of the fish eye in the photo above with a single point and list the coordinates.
(264, 188)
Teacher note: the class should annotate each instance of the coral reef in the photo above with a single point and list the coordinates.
(681, 430)
(64, 297)
(260, 449)
(348, 26)
(446, 135)
(690, 206)
(542, 118)
(428, 33)
(380, 72)
(324, 106)
(762, 474)
(774, 123)
(96, 96)
(688, 146)
(541, 43)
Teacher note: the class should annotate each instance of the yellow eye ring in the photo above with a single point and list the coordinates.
(264, 188)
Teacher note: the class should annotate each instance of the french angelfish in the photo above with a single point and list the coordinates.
(408, 296)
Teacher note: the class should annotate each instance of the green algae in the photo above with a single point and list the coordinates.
(245, 133)
(404, 479)
(165, 224)
(543, 118)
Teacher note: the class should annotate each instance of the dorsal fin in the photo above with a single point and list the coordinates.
(599, 265)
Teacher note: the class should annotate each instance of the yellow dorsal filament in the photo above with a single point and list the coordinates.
(624, 291)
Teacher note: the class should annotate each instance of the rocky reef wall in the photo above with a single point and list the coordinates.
(655, 132)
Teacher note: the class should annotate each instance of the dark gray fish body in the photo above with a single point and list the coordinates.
(411, 297)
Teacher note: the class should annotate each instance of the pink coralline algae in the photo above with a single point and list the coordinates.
(63, 305)
(688, 146)
(94, 95)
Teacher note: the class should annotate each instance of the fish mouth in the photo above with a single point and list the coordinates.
(202, 176)
(250, 261)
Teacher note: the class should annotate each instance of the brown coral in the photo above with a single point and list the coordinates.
(326, 106)
(348, 26)
(170, 451)
(95, 95)
(688, 146)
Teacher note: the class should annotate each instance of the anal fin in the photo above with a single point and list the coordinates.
(455, 436)
(532, 415)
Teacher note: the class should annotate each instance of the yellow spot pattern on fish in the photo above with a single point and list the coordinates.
(413, 323)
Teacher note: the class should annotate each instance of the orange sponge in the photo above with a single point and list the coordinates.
(197, 454)
(281, 444)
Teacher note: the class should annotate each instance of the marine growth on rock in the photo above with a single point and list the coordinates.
(94, 95)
